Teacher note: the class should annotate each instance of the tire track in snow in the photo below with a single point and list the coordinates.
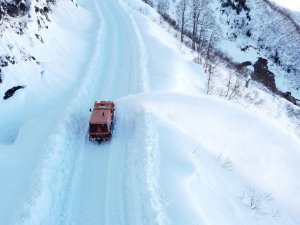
(152, 148)
(143, 50)
(56, 170)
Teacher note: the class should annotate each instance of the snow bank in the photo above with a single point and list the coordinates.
(50, 80)
(199, 136)
(214, 154)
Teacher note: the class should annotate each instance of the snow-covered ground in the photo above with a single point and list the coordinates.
(177, 156)
(290, 4)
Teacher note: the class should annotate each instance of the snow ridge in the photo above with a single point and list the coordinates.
(152, 170)
(152, 148)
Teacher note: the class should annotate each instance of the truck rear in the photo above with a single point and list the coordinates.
(101, 121)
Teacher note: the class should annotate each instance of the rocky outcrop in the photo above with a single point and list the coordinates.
(263, 75)
(10, 92)
(14, 8)
(243, 65)
(288, 96)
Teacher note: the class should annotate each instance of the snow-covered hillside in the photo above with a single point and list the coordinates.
(245, 31)
(177, 156)
(290, 4)
(45, 53)
(37, 52)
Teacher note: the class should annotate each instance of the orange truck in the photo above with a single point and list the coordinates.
(101, 122)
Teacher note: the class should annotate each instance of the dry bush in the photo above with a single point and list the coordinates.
(225, 162)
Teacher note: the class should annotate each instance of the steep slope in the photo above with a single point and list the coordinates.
(273, 34)
(50, 67)
(246, 31)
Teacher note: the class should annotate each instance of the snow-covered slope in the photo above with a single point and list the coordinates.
(41, 60)
(290, 4)
(247, 30)
(177, 155)
(49, 62)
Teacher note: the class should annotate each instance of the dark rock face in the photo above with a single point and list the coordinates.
(243, 65)
(4, 62)
(10, 92)
(15, 8)
(237, 5)
(263, 75)
(288, 96)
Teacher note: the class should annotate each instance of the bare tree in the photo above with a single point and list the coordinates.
(209, 65)
(209, 70)
(233, 86)
(195, 15)
(206, 24)
(210, 48)
(197, 7)
(228, 85)
(163, 6)
(181, 11)
(235, 89)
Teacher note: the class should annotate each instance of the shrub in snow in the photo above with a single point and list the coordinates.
(225, 162)
(293, 112)
(163, 6)
(260, 202)
(253, 98)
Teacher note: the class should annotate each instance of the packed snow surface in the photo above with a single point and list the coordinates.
(177, 156)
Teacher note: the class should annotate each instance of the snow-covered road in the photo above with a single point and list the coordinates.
(107, 177)
(86, 183)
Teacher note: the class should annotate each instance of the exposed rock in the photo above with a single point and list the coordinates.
(263, 75)
(10, 92)
(10, 59)
(244, 49)
(5, 59)
(3, 62)
(288, 96)
(237, 5)
(243, 64)
(15, 8)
